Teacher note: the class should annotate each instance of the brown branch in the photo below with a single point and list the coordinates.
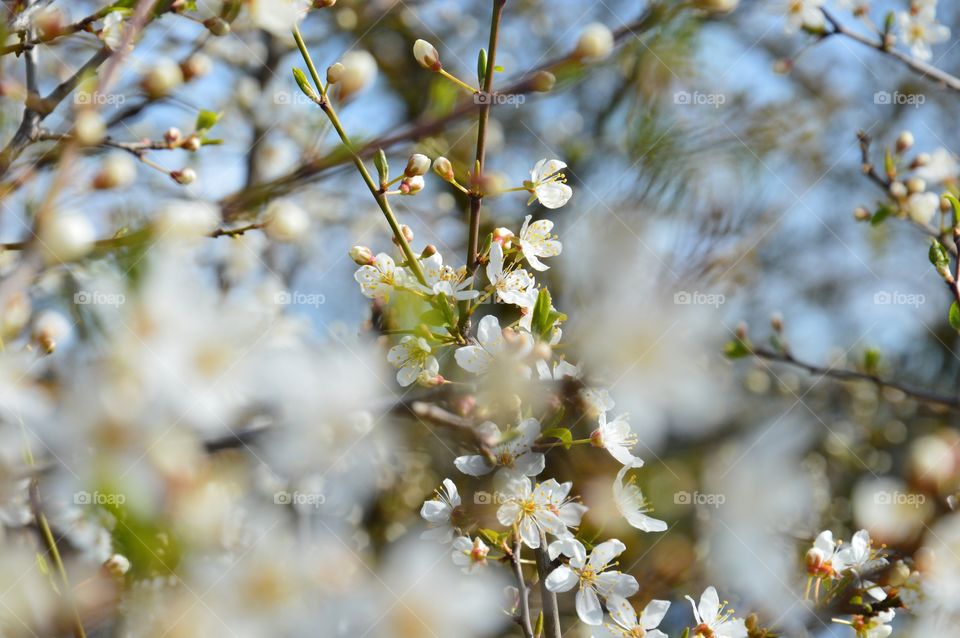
(843, 374)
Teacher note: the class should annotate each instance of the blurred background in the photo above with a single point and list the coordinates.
(710, 188)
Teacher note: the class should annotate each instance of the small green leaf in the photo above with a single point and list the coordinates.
(561, 434)
(383, 167)
(955, 316)
(304, 84)
(482, 67)
(938, 255)
(538, 630)
(736, 349)
(956, 207)
(882, 213)
(871, 360)
(206, 120)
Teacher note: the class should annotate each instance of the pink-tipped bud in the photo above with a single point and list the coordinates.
(184, 176)
(412, 185)
(427, 55)
(443, 168)
(172, 136)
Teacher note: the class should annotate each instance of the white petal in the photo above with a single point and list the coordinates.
(622, 612)
(561, 579)
(653, 613)
(407, 374)
(507, 513)
(475, 465)
(709, 606)
(530, 533)
(615, 583)
(472, 359)
(435, 511)
(605, 552)
(588, 607)
(531, 463)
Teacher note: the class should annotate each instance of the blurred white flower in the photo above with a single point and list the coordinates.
(493, 349)
(922, 207)
(803, 14)
(631, 504)
(513, 452)
(919, 30)
(413, 356)
(469, 555)
(942, 166)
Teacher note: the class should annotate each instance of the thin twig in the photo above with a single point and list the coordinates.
(551, 613)
(843, 374)
(526, 624)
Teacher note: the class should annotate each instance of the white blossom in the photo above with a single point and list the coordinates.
(536, 241)
(592, 577)
(615, 437)
(469, 554)
(492, 347)
(512, 285)
(631, 504)
(628, 625)
(439, 512)
(530, 510)
(549, 183)
(712, 620)
(381, 279)
(919, 30)
(414, 357)
(514, 453)
(804, 14)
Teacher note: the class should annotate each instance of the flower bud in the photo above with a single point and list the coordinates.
(196, 66)
(49, 329)
(89, 128)
(427, 380)
(324, 4)
(412, 185)
(362, 256)
(407, 233)
(191, 144)
(898, 190)
(783, 66)
(922, 159)
(428, 251)
(543, 81)
(285, 221)
(443, 168)
(14, 313)
(359, 70)
(503, 236)
(916, 185)
(118, 170)
(595, 43)
(427, 55)
(898, 574)
(172, 135)
(905, 142)
(334, 73)
(814, 560)
(117, 565)
(776, 322)
(861, 214)
(741, 331)
(417, 165)
(66, 236)
(162, 78)
(184, 176)
(717, 6)
(217, 26)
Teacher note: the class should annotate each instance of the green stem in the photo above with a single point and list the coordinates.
(331, 113)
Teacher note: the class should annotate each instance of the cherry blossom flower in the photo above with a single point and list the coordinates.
(631, 626)
(512, 286)
(560, 371)
(631, 504)
(439, 513)
(592, 577)
(530, 510)
(712, 620)
(941, 166)
(568, 509)
(379, 280)
(549, 184)
(804, 14)
(919, 30)
(615, 437)
(514, 453)
(856, 557)
(597, 401)
(872, 627)
(493, 347)
(923, 206)
(415, 359)
(443, 279)
(468, 554)
(536, 241)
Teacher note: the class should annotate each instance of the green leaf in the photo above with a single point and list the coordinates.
(498, 69)
(304, 84)
(538, 630)
(956, 207)
(492, 536)
(206, 120)
(882, 213)
(938, 255)
(482, 67)
(561, 434)
(383, 167)
(955, 316)
(736, 349)
(871, 360)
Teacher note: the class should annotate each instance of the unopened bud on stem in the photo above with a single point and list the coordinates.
(361, 255)
(426, 54)
(417, 165)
